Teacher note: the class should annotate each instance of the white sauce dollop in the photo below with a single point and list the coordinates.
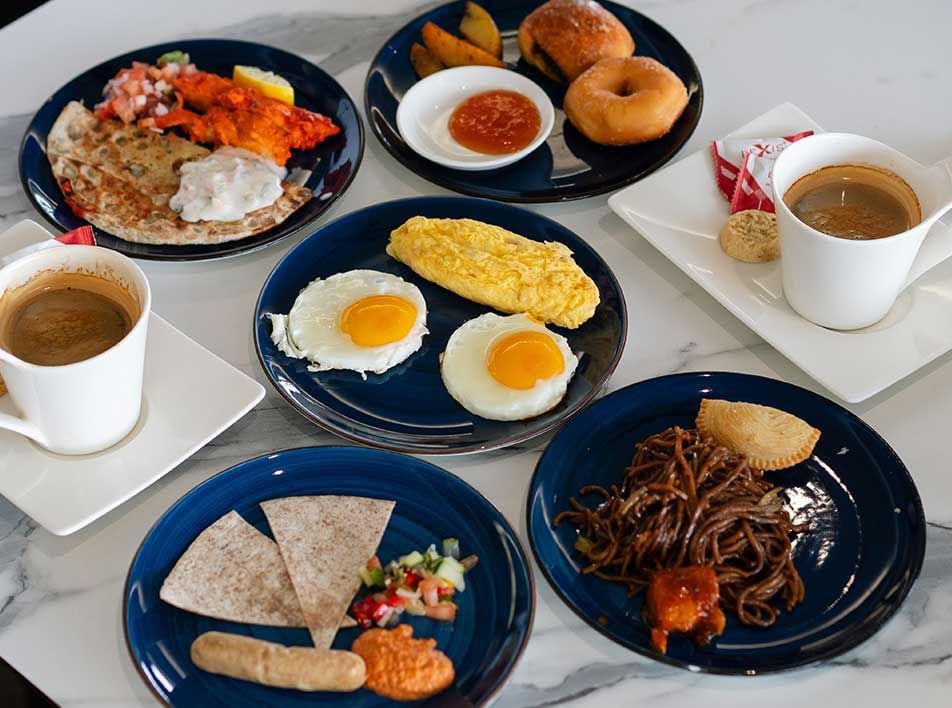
(226, 185)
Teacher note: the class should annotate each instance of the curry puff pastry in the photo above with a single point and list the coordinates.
(770, 439)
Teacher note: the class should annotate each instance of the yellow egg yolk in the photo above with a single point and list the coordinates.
(522, 358)
(378, 319)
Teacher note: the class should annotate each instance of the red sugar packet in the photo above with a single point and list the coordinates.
(730, 157)
(83, 236)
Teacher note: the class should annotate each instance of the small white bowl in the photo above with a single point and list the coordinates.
(424, 113)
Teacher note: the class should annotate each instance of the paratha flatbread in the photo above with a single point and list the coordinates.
(121, 178)
(233, 572)
(324, 541)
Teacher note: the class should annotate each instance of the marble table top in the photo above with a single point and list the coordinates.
(879, 68)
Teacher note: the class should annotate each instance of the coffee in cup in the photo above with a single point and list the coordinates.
(60, 318)
(853, 201)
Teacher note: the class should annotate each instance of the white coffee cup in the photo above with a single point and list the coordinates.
(89, 405)
(844, 283)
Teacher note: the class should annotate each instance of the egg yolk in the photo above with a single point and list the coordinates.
(378, 319)
(522, 358)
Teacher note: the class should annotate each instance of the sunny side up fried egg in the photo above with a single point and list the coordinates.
(507, 368)
(361, 320)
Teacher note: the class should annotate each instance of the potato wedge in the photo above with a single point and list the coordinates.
(453, 51)
(479, 28)
(423, 62)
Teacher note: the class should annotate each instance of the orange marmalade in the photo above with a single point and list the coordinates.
(401, 667)
(495, 122)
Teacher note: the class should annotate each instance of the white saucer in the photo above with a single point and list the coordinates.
(680, 211)
(189, 397)
(424, 113)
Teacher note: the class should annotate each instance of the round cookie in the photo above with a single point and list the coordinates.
(751, 236)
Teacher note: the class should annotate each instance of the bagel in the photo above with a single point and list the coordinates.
(625, 100)
(562, 38)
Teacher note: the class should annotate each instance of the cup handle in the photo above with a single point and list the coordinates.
(937, 245)
(18, 425)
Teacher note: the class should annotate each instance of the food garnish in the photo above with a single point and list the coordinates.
(771, 439)
(401, 667)
(143, 91)
(270, 664)
(493, 266)
(684, 600)
(419, 583)
(267, 82)
(479, 28)
(685, 500)
(324, 541)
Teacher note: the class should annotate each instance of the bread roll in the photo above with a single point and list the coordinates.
(563, 38)
(270, 664)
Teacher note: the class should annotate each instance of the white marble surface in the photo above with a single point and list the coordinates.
(878, 68)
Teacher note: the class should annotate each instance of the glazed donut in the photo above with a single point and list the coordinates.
(625, 100)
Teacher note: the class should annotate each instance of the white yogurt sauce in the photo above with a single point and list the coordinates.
(226, 185)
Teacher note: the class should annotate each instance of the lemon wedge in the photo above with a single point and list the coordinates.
(267, 82)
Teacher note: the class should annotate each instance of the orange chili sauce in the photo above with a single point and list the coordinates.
(401, 667)
(495, 122)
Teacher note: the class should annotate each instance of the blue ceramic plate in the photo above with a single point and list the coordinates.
(858, 560)
(567, 165)
(332, 164)
(495, 612)
(408, 408)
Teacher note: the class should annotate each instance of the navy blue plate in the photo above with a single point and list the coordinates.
(858, 560)
(567, 165)
(407, 408)
(333, 163)
(495, 612)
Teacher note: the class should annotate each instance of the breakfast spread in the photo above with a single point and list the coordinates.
(308, 577)
(401, 667)
(507, 368)
(563, 38)
(270, 664)
(123, 168)
(495, 122)
(361, 320)
(495, 267)
(613, 98)
(625, 100)
(856, 202)
(751, 236)
(697, 523)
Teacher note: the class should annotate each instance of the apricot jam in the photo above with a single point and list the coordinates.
(495, 122)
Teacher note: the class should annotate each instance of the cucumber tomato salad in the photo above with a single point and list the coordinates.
(419, 583)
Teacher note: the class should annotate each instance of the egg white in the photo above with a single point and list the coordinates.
(311, 330)
(467, 378)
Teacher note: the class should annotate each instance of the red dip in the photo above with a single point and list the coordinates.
(495, 122)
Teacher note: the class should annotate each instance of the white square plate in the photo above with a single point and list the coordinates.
(189, 397)
(680, 212)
